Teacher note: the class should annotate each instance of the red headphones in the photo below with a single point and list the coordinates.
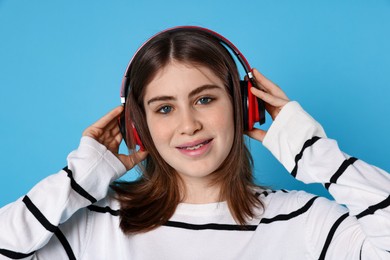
(253, 107)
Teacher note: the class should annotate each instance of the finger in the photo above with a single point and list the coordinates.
(112, 136)
(256, 134)
(112, 127)
(260, 78)
(269, 98)
(118, 138)
(268, 85)
(114, 133)
(115, 130)
(129, 161)
(109, 118)
(108, 138)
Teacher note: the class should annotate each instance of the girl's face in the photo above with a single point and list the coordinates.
(190, 118)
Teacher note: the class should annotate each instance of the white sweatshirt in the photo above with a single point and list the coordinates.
(70, 216)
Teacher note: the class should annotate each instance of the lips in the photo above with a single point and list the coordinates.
(194, 145)
(197, 149)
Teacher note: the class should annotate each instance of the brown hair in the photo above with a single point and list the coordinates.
(151, 200)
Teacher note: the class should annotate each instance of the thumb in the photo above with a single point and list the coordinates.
(257, 134)
(129, 161)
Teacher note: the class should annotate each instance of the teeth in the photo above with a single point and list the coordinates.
(194, 147)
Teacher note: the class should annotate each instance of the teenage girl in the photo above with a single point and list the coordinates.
(195, 197)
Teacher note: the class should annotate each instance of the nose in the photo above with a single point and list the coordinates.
(189, 122)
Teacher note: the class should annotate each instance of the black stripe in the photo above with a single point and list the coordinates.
(64, 242)
(38, 214)
(284, 217)
(14, 255)
(213, 226)
(106, 209)
(50, 227)
(371, 210)
(266, 193)
(307, 144)
(331, 234)
(346, 163)
(78, 188)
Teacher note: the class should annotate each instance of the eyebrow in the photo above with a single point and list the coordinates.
(191, 94)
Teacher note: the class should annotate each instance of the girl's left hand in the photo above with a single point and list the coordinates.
(274, 99)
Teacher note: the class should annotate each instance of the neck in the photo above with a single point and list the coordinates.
(200, 192)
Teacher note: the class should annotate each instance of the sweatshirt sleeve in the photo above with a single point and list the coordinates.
(301, 145)
(29, 223)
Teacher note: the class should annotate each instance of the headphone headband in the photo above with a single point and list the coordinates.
(225, 42)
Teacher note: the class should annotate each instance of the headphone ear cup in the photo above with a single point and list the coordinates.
(244, 103)
(122, 128)
(258, 108)
(136, 137)
(252, 107)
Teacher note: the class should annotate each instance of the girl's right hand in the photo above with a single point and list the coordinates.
(106, 131)
(274, 99)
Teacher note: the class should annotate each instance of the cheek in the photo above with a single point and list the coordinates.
(224, 118)
(222, 122)
(158, 131)
(228, 123)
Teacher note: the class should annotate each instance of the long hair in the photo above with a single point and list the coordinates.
(151, 200)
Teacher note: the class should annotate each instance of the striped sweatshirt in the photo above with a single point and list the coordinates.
(70, 215)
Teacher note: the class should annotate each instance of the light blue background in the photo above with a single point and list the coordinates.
(61, 65)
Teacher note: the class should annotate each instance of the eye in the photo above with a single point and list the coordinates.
(204, 100)
(164, 109)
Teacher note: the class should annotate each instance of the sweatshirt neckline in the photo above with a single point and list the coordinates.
(215, 208)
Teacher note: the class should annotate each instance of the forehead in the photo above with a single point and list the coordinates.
(176, 78)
